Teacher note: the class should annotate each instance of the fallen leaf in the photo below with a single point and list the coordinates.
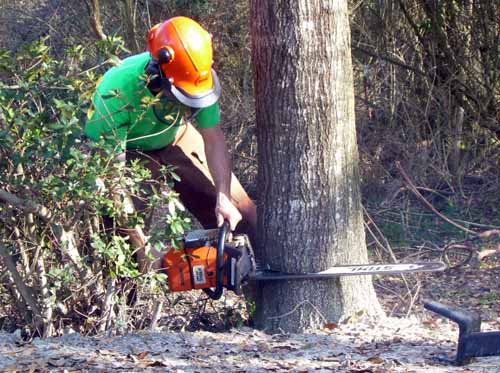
(58, 363)
(157, 363)
(331, 326)
(375, 360)
(286, 347)
(142, 355)
(430, 323)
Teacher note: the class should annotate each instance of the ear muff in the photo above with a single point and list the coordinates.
(153, 69)
(157, 81)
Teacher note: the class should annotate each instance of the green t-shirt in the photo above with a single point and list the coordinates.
(122, 115)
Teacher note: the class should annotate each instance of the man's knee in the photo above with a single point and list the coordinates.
(248, 224)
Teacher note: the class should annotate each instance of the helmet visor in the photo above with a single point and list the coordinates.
(198, 101)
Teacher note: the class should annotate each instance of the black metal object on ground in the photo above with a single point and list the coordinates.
(471, 341)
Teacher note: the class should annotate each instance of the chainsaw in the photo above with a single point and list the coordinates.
(209, 262)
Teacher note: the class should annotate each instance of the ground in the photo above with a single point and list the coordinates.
(410, 339)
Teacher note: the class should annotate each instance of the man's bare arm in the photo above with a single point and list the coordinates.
(219, 165)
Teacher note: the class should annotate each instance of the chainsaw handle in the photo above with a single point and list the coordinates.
(219, 263)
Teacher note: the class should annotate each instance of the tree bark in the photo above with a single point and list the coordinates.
(310, 214)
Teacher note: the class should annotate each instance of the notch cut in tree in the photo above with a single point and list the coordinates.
(310, 214)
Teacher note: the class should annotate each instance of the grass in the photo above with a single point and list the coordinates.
(490, 298)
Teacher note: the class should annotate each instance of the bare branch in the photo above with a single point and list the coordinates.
(392, 60)
(26, 206)
(129, 20)
(25, 291)
(95, 14)
(65, 237)
(415, 191)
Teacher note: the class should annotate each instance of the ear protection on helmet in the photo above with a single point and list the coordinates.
(157, 81)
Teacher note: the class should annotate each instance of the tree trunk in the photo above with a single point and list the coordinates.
(310, 215)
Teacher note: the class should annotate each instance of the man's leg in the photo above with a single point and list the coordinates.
(196, 188)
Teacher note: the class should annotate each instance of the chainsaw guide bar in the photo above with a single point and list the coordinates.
(349, 270)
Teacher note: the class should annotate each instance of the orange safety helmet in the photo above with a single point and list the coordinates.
(183, 50)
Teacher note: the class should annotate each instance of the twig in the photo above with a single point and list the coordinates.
(387, 246)
(413, 298)
(20, 303)
(28, 206)
(428, 204)
(22, 250)
(95, 13)
(156, 314)
(493, 227)
(390, 59)
(378, 243)
(390, 291)
(107, 306)
(489, 233)
(488, 252)
(66, 238)
(41, 277)
(246, 157)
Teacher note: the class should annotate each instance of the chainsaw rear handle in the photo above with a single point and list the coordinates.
(219, 263)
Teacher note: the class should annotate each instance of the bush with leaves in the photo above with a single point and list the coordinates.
(63, 261)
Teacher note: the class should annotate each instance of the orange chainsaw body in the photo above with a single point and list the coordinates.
(193, 268)
(195, 265)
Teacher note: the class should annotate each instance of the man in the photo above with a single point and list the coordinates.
(177, 69)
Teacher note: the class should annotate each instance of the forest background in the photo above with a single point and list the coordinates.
(427, 113)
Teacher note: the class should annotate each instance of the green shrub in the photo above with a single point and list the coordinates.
(63, 263)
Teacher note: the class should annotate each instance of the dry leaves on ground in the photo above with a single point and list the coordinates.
(389, 345)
